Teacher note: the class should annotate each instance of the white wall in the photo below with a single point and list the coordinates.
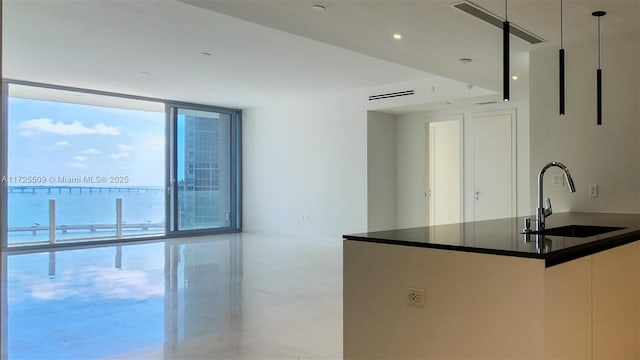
(381, 171)
(309, 171)
(308, 156)
(412, 208)
(607, 155)
(305, 161)
(411, 164)
(411, 171)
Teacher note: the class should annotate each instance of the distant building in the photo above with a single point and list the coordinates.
(202, 189)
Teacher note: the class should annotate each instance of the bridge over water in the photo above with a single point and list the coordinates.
(67, 189)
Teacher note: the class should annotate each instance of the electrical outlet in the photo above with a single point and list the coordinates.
(593, 190)
(415, 296)
(558, 180)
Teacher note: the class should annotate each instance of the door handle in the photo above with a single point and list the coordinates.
(477, 195)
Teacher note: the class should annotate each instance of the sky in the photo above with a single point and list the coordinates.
(111, 147)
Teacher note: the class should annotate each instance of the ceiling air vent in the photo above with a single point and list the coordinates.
(493, 19)
(487, 102)
(392, 95)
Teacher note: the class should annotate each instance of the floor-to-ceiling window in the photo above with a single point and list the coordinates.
(203, 175)
(89, 166)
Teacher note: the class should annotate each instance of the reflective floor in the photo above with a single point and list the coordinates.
(226, 297)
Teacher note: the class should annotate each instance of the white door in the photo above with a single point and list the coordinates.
(494, 166)
(444, 172)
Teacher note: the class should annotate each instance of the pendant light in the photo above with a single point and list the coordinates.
(599, 14)
(505, 54)
(561, 62)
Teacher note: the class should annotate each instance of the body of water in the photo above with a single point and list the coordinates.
(30, 207)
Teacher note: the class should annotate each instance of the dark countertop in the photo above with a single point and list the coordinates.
(503, 237)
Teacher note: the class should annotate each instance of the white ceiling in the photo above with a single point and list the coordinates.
(266, 50)
(435, 35)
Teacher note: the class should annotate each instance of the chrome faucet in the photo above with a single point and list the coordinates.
(542, 212)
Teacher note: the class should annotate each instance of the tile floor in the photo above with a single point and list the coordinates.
(239, 296)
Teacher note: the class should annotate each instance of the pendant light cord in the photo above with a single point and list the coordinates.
(561, 27)
(598, 42)
(506, 17)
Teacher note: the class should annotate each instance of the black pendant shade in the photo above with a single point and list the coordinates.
(599, 14)
(599, 96)
(561, 66)
(505, 60)
(505, 54)
(561, 63)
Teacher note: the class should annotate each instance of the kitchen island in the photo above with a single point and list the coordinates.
(492, 292)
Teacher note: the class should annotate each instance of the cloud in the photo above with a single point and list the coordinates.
(44, 125)
(80, 158)
(91, 151)
(61, 144)
(78, 165)
(124, 151)
(120, 155)
(155, 143)
(103, 129)
(127, 148)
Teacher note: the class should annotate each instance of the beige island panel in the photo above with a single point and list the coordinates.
(480, 306)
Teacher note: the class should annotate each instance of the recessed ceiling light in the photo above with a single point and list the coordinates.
(319, 8)
(397, 36)
(514, 77)
(465, 60)
(205, 53)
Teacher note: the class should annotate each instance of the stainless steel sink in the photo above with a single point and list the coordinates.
(577, 230)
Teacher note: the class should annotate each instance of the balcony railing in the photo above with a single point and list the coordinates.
(53, 229)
